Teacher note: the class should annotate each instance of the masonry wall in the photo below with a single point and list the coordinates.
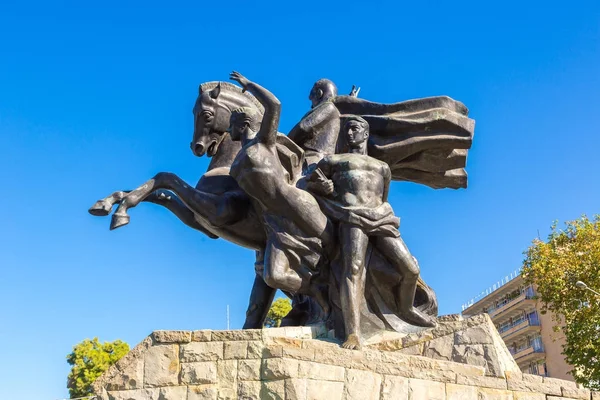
(291, 364)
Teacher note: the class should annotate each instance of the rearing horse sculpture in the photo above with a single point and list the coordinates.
(216, 206)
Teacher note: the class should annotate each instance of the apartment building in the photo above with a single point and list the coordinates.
(528, 334)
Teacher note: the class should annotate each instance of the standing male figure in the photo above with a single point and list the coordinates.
(355, 188)
(317, 132)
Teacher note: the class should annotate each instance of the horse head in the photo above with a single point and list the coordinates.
(212, 111)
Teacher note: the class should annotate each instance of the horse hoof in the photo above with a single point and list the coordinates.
(100, 209)
(118, 221)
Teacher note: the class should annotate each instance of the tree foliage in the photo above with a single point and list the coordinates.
(279, 309)
(89, 360)
(569, 255)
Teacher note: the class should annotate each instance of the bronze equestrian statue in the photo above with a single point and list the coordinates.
(313, 204)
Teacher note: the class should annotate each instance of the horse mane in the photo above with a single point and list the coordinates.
(234, 90)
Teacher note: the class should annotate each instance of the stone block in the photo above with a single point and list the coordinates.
(440, 348)
(494, 394)
(394, 388)
(172, 393)
(279, 368)
(324, 390)
(299, 353)
(460, 392)
(235, 350)
(249, 390)
(482, 381)
(132, 377)
(202, 392)
(161, 365)
(201, 351)
(474, 335)
(419, 389)
(532, 378)
(202, 335)
(424, 368)
(137, 394)
(272, 390)
(529, 383)
(286, 342)
(424, 363)
(362, 385)
(227, 372)
(493, 364)
(227, 394)
(295, 389)
(172, 336)
(320, 344)
(470, 354)
(199, 373)
(513, 375)
(239, 335)
(528, 396)
(137, 353)
(257, 349)
(575, 392)
(450, 318)
(249, 370)
(416, 350)
(324, 372)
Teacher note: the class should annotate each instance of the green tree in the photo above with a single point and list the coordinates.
(569, 255)
(279, 309)
(89, 360)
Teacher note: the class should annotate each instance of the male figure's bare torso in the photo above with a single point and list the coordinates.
(360, 180)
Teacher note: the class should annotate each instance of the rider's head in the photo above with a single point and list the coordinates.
(244, 123)
(356, 132)
(322, 90)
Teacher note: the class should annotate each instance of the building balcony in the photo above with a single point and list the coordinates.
(529, 354)
(512, 307)
(515, 331)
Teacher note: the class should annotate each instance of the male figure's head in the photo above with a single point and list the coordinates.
(322, 90)
(356, 134)
(244, 123)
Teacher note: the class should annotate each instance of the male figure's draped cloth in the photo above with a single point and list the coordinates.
(379, 221)
(423, 141)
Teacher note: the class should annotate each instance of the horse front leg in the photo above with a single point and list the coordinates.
(103, 207)
(219, 210)
(171, 202)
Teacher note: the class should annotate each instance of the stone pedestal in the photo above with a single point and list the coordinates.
(460, 359)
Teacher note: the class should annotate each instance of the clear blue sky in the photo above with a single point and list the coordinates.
(98, 97)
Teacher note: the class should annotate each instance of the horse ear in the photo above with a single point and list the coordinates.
(215, 92)
(199, 89)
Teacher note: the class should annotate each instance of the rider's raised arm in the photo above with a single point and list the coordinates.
(270, 123)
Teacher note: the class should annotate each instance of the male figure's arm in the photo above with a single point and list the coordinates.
(306, 128)
(318, 180)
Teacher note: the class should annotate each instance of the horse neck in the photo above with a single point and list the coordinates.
(226, 153)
